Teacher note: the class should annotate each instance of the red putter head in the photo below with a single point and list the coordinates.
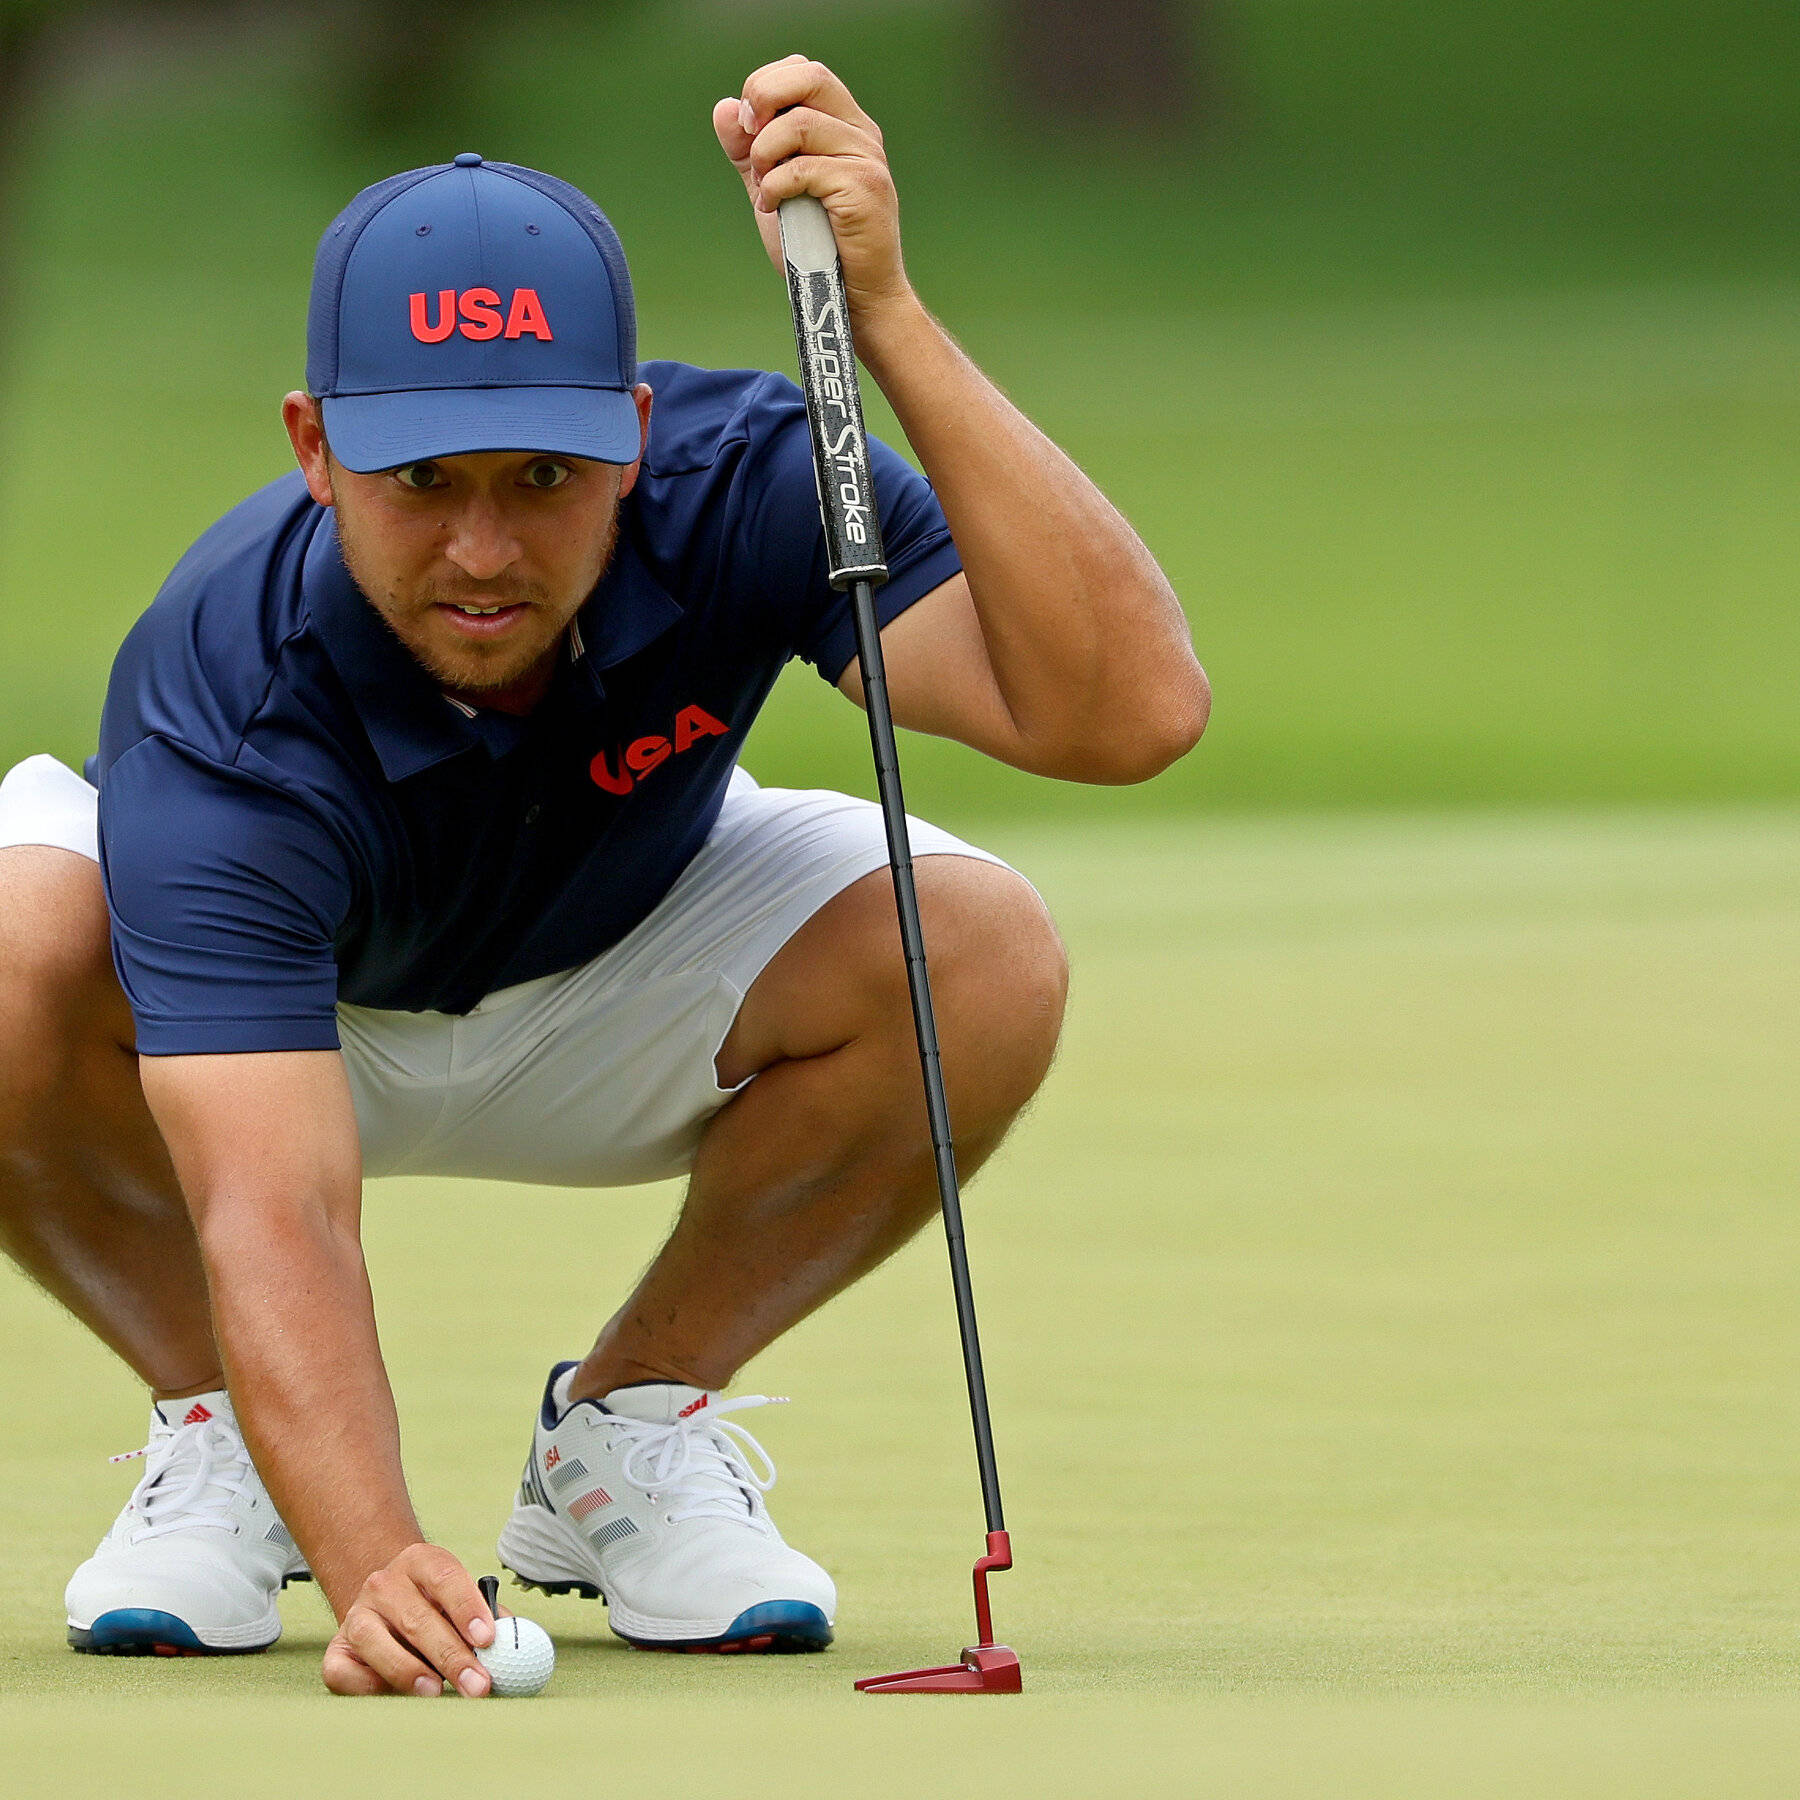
(986, 1667)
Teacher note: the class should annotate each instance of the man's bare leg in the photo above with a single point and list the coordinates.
(817, 1173)
(822, 1167)
(89, 1206)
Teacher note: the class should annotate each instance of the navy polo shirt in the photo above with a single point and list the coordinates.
(292, 813)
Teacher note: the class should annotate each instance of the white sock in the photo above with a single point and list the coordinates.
(559, 1389)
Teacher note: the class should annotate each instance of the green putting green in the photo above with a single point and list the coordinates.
(1389, 1309)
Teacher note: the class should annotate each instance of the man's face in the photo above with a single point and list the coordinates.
(477, 563)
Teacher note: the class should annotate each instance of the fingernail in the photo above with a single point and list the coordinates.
(427, 1689)
(480, 1632)
(747, 117)
(473, 1683)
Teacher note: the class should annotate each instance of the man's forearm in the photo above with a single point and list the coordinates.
(1081, 628)
(266, 1149)
(296, 1327)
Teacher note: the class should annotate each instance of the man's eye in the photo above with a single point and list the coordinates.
(547, 474)
(418, 476)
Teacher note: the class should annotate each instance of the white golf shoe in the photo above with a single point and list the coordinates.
(192, 1565)
(651, 1500)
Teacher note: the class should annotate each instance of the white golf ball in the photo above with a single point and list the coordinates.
(520, 1660)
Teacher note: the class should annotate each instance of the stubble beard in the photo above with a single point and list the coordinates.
(478, 668)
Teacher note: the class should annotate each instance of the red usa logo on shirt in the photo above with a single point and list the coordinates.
(643, 754)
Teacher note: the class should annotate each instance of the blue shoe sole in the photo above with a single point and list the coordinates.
(142, 1631)
(776, 1628)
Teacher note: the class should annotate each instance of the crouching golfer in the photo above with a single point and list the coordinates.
(424, 849)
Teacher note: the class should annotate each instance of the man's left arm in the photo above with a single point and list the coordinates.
(1061, 647)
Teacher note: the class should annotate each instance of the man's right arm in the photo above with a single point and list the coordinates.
(265, 1145)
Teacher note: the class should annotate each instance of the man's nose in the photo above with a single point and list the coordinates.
(481, 543)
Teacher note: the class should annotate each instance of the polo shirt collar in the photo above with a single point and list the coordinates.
(630, 608)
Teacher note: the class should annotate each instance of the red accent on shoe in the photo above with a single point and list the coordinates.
(197, 1414)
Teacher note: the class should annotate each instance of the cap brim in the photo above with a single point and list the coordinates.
(383, 431)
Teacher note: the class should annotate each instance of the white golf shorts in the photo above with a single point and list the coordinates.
(601, 1075)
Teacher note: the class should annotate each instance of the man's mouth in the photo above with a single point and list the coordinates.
(470, 620)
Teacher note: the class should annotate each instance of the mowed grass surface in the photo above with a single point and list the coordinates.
(1390, 1312)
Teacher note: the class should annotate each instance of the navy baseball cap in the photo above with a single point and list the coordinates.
(472, 306)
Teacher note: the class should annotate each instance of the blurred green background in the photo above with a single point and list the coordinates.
(1448, 356)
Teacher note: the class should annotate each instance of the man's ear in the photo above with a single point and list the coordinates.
(306, 432)
(643, 396)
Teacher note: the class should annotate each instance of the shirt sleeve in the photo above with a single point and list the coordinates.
(226, 896)
(784, 540)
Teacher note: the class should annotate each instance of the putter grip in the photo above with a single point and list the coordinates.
(833, 405)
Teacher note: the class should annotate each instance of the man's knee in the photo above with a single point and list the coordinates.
(999, 975)
(58, 993)
(998, 979)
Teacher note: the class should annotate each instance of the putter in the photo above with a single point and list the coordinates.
(853, 548)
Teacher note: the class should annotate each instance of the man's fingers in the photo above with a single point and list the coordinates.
(420, 1625)
(826, 177)
(430, 1602)
(797, 130)
(798, 81)
(346, 1673)
(370, 1639)
(453, 1591)
(728, 128)
(411, 1629)
(807, 131)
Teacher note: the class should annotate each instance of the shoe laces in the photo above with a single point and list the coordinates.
(190, 1479)
(703, 1463)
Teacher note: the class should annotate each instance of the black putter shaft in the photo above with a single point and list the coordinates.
(853, 550)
